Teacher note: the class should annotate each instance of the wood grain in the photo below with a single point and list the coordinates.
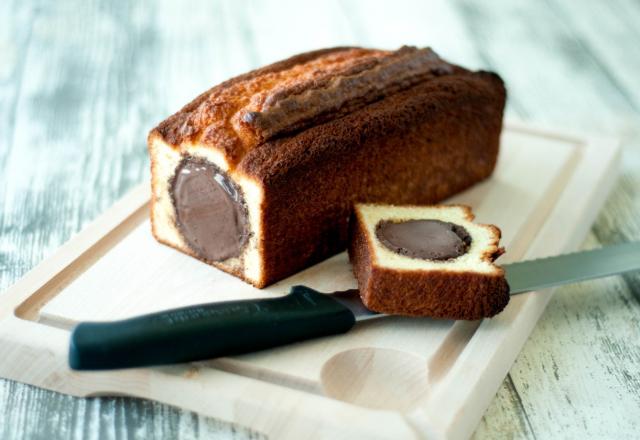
(81, 83)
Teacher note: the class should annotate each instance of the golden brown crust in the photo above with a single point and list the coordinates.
(437, 294)
(210, 108)
(302, 91)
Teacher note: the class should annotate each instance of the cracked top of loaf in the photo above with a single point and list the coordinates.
(289, 96)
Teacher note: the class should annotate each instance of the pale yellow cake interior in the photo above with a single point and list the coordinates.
(482, 238)
(166, 159)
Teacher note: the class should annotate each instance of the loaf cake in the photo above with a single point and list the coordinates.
(257, 176)
(427, 261)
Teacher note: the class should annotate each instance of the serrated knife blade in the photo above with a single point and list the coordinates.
(527, 276)
(542, 273)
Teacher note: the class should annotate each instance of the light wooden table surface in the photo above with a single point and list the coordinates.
(82, 82)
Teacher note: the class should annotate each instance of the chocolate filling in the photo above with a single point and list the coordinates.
(210, 210)
(426, 239)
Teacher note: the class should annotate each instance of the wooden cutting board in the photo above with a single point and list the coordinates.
(388, 378)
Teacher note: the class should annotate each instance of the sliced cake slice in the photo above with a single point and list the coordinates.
(427, 261)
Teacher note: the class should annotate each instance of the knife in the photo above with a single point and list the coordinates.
(228, 328)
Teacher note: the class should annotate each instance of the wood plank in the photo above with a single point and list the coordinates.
(506, 417)
(546, 71)
(176, 70)
(274, 35)
(409, 22)
(15, 36)
(613, 53)
(33, 413)
(591, 327)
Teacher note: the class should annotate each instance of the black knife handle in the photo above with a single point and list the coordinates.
(207, 331)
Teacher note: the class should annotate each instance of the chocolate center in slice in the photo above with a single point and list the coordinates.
(426, 239)
(210, 211)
